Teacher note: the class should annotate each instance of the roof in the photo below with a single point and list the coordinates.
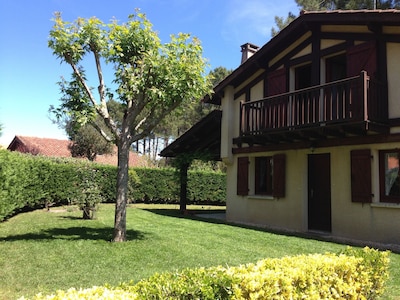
(60, 148)
(304, 23)
(41, 146)
(204, 136)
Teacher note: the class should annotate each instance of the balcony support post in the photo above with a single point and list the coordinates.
(364, 85)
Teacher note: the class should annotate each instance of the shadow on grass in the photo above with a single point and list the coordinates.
(211, 216)
(73, 234)
(72, 218)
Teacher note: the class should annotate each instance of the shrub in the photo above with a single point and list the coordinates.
(201, 283)
(156, 186)
(88, 195)
(162, 186)
(207, 187)
(28, 181)
(12, 177)
(97, 292)
(376, 264)
(315, 276)
(359, 275)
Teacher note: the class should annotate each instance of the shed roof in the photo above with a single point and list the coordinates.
(204, 136)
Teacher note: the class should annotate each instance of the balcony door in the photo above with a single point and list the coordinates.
(303, 77)
(336, 68)
(319, 192)
(335, 102)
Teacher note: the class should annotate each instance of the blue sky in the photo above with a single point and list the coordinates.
(29, 72)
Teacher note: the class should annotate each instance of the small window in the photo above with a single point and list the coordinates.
(389, 175)
(264, 175)
(270, 175)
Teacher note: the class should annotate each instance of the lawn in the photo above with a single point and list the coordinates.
(44, 251)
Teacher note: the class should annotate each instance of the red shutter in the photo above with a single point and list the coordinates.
(279, 177)
(243, 176)
(361, 190)
(362, 58)
(276, 82)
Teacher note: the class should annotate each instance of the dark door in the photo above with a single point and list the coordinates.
(319, 192)
(336, 68)
(303, 77)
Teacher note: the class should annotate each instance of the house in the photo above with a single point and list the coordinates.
(310, 127)
(61, 148)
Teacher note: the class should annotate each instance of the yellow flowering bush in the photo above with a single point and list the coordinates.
(94, 293)
(352, 274)
(317, 276)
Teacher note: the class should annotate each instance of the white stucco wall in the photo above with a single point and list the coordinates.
(371, 222)
(281, 213)
(375, 222)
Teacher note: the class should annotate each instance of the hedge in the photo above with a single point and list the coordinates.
(354, 274)
(162, 186)
(31, 181)
(28, 181)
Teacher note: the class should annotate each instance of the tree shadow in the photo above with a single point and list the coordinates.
(216, 216)
(71, 217)
(74, 234)
(209, 216)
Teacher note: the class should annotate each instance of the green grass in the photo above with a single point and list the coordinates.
(44, 251)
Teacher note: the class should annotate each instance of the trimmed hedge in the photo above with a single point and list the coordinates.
(162, 186)
(28, 181)
(355, 274)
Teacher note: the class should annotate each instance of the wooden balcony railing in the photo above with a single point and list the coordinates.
(355, 100)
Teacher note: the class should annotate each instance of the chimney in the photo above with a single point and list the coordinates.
(248, 50)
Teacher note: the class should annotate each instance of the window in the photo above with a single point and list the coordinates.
(336, 68)
(263, 175)
(389, 175)
(269, 171)
(303, 77)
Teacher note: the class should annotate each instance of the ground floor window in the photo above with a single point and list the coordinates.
(269, 175)
(264, 173)
(389, 175)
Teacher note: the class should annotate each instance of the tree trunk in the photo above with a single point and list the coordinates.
(86, 213)
(122, 191)
(183, 194)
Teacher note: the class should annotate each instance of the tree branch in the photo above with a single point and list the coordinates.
(153, 121)
(83, 82)
(102, 132)
(102, 111)
(101, 87)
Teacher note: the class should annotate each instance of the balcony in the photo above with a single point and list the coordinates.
(350, 107)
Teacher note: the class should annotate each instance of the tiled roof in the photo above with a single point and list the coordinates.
(60, 148)
(42, 146)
